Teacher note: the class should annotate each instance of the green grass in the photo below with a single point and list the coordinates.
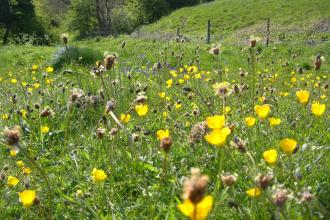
(295, 18)
(136, 186)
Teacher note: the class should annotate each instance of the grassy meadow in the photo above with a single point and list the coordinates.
(134, 128)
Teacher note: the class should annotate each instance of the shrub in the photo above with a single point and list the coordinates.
(70, 55)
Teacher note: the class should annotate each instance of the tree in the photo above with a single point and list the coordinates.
(5, 19)
(155, 9)
(18, 16)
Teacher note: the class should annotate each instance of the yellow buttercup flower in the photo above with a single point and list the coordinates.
(26, 170)
(262, 110)
(227, 109)
(261, 98)
(34, 67)
(5, 116)
(44, 129)
(216, 121)
(49, 69)
(162, 94)
(218, 136)
(302, 96)
(250, 121)
(125, 118)
(318, 109)
(199, 211)
(20, 163)
(13, 81)
(27, 197)
(165, 114)
(36, 85)
(13, 152)
(162, 134)
(173, 73)
(12, 181)
(177, 106)
(141, 109)
(23, 112)
(254, 192)
(288, 145)
(98, 175)
(49, 81)
(284, 94)
(169, 83)
(270, 156)
(192, 69)
(274, 121)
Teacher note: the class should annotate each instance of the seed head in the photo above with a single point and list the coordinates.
(100, 133)
(46, 112)
(280, 197)
(195, 187)
(110, 106)
(264, 180)
(307, 196)
(13, 136)
(228, 179)
(166, 143)
(239, 144)
(109, 61)
(65, 38)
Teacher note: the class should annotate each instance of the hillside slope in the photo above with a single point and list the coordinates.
(303, 18)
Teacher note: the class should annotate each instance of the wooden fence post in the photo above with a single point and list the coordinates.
(208, 38)
(268, 32)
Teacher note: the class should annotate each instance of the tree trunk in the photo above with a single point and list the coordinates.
(6, 35)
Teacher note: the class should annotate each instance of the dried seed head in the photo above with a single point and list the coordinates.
(195, 187)
(222, 89)
(264, 180)
(123, 44)
(318, 61)
(109, 61)
(46, 112)
(157, 65)
(113, 132)
(141, 98)
(13, 135)
(110, 106)
(100, 133)
(239, 144)
(135, 137)
(98, 71)
(307, 196)
(65, 38)
(197, 132)
(76, 95)
(166, 143)
(280, 197)
(215, 50)
(228, 179)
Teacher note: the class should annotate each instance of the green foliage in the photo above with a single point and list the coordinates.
(75, 55)
(155, 9)
(82, 17)
(18, 17)
(134, 188)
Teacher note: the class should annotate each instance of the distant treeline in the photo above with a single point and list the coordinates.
(41, 21)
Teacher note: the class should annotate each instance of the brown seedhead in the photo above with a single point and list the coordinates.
(13, 135)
